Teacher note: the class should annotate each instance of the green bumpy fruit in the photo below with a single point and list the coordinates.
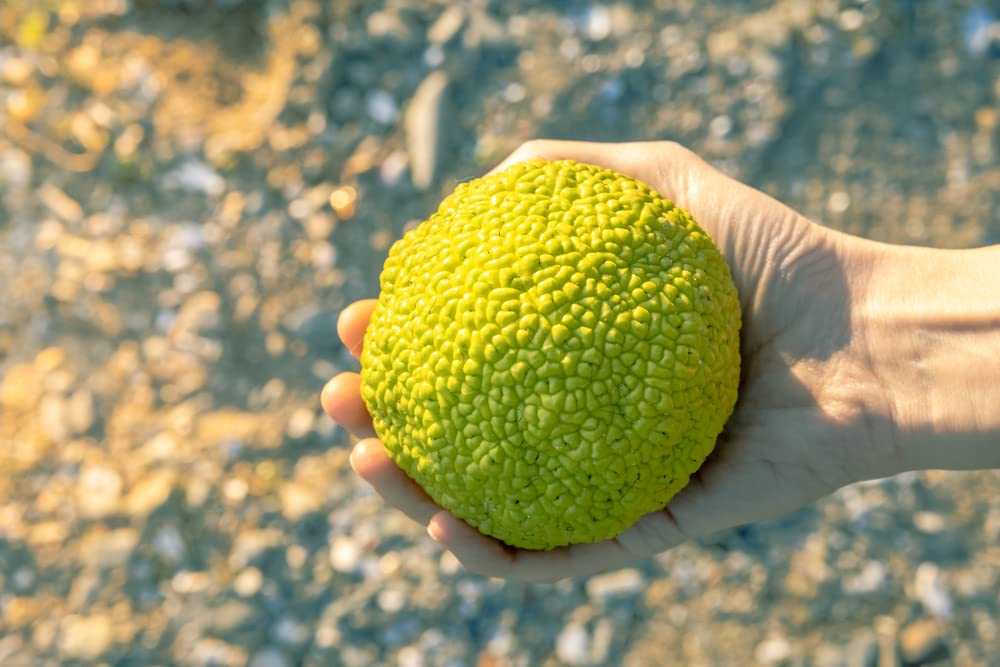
(553, 353)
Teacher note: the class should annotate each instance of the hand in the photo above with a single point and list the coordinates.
(801, 427)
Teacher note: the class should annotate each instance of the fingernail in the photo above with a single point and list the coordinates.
(434, 531)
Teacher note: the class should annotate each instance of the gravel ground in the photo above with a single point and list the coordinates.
(191, 191)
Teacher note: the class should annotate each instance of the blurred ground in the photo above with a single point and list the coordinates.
(190, 193)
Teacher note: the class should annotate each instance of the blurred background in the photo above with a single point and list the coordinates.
(191, 191)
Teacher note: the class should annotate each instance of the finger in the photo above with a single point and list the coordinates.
(644, 161)
(703, 507)
(487, 556)
(602, 154)
(341, 400)
(352, 323)
(370, 460)
(665, 166)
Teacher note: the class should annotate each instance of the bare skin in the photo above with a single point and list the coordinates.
(847, 371)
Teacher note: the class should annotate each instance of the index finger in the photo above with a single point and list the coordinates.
(621, 157)
(352, 323)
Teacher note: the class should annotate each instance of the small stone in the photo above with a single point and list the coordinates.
(85, 588)
(108, 548)
(484, 32)
(19, 611)
(269, 657)
(21, 388)
(400, 632)
(447, 25)
(98, 491)
(364, 157)
(434, 56)
(232, 616)
(501, 644)
(169, 544)
(986, 118)
(42, 638)
(977, 30)
(870, 579)
(612, 90)
(886, 634)
(297, 500)
(15, 169)
(923, 642)
(85, 637)
(838, 202)
(50, 359)
(573, 644)
(410, 656)
(380, 239)
(16, 71)
(600, 647)
(634, 57)
(47, 533)
(423, 124)
(773, 650)
(387, 23)
(248, 582)
(597, 23)
(80, 412)
(149, 492)
(471, 593)
(343, 201)
(390, 564)
(393, 167)
(382, 107)
(827, 655)
(161, 447)
(344, 554)
(929, 522)
(318, 226)
(52, 414)
(211, 652)
(327, 635)
(301, 423)
(514, 93)
(720, 126)
(23, 579)
(624, 582)
(185, 582)
(391, 600)
(195, 176)
(946, 546)
(851, 19)
(291, 632)
(225, 426)
(60, 204)
(235, 489)
(929, 588)
(199, 315)
(448, 563)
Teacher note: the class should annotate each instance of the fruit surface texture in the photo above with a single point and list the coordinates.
(553, 353)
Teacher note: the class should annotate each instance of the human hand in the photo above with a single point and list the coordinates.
(801, 427)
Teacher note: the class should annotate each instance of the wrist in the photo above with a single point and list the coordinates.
(929, 329)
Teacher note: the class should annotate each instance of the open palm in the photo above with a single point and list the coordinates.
(798, 431)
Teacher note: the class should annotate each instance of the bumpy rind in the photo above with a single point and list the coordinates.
(553, 353)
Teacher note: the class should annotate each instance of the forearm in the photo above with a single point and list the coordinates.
(930, 324)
